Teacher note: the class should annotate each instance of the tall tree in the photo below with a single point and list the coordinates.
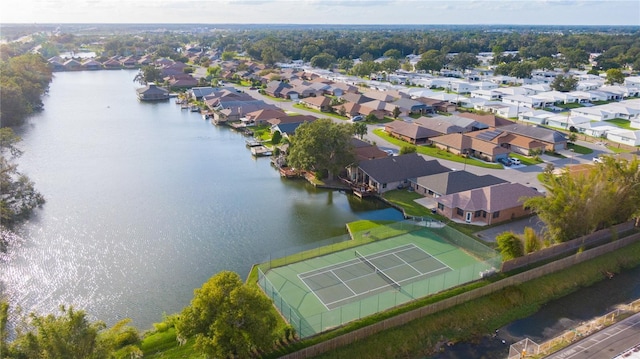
(576, 205)
(321, 145)
(360, 129)
(615, 76)
(464, 60)
(323, 60)
(564, 83)
(228, 318)
(19, 196)
(147, 74)
(69, 335)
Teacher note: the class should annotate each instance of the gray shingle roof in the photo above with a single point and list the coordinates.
(538, 133)
(457, 181)
(399, 168)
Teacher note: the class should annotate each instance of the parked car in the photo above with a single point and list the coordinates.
(357, 118)
(505, 161)
(515, 161)
(597, 160)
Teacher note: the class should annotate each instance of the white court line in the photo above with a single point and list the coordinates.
(316, 295)
(360, 294)
(353, 262)
(343, 282)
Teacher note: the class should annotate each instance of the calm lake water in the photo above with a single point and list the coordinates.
(145, 202)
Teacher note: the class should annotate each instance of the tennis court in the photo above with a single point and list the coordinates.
(365, 275)
(319, 293)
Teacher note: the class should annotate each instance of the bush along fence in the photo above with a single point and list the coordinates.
(405, 318)
(584, 242)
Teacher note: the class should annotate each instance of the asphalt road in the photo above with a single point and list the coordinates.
(607, 343)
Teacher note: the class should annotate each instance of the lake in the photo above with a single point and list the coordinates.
(146, 201)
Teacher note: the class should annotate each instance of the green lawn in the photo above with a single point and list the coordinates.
(622, 123)
(437, 153)
(325, 114)
(527, 161)
(581, 150)
(568, 106)
(405, 199)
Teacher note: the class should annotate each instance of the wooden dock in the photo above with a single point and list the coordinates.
(260, 151)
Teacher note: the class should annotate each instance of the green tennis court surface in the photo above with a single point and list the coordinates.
(320, 293)
(355, 279)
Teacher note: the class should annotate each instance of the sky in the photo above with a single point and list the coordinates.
(380, 12)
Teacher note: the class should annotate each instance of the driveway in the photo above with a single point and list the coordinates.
(517, 227)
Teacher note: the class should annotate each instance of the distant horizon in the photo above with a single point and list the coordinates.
(327, 12)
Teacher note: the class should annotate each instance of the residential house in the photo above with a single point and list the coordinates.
(350, 109)
(522, 101)
(596, 113)
(112, 64)
(476, 144)
(487, 205)
(356, 98)
(392, 172)
(320, 103)
(151, 92)
(595, 128)
(261, 117)
(442, 184)
(538, 117)
(92, 65)
(438, 125)
(365, 151)
(489, 120)
(198, 93)
(408, 107)
(291, 119)
(566, 122)
(491, 95)
(276, 88)
(438, 105)
(552, 140)
(181, 81)
(627, 137)
(288, 129)
(56, 63)
(410, 132)
(72, 65)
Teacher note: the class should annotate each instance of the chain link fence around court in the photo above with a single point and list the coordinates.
(338, 243)
(305, 326)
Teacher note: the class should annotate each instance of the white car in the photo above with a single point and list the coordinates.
(597, 160)
(515, 161)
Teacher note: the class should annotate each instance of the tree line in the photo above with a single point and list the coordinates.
(23, 80)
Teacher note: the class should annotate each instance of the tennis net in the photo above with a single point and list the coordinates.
(388, 279)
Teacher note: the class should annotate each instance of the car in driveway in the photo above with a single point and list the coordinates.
(515, 161)
(505, 162)
(357, 118)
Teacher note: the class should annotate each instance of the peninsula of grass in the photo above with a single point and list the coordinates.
(436, 152)
(406, 200)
